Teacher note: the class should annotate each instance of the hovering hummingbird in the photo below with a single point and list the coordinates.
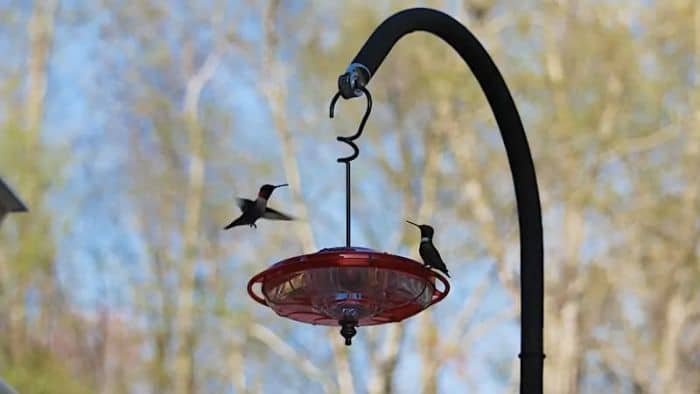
(254, 210)
(428, 251)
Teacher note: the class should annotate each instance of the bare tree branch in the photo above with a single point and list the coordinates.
(279, 346)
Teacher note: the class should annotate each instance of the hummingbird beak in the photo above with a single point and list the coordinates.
(282, 185)
(408, 221)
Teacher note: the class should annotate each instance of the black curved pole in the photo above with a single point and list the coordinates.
(482, 66)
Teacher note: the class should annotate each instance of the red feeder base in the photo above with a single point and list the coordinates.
(348, 287)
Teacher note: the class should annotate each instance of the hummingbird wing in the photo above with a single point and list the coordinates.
(276, 215)
(245, 203)
(431, 256)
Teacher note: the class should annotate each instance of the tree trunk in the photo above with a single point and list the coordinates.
(41, 35)
(382, 379)
(428, 342)
(186, 335)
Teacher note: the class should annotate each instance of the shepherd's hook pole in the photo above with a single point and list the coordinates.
(352, 84)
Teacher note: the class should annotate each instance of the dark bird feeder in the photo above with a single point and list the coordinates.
(351, 286)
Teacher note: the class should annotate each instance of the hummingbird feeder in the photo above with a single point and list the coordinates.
(348, 286)
(353, 286)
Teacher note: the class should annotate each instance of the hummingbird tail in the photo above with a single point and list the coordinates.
(237, 222)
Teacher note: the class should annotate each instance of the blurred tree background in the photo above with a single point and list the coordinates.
(129, 128)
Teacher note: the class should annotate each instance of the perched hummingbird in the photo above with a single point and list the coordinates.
(428, 251)
(254, 210)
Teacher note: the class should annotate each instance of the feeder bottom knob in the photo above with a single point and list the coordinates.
(348, 330)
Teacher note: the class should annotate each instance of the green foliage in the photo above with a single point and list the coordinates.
(41, 372)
